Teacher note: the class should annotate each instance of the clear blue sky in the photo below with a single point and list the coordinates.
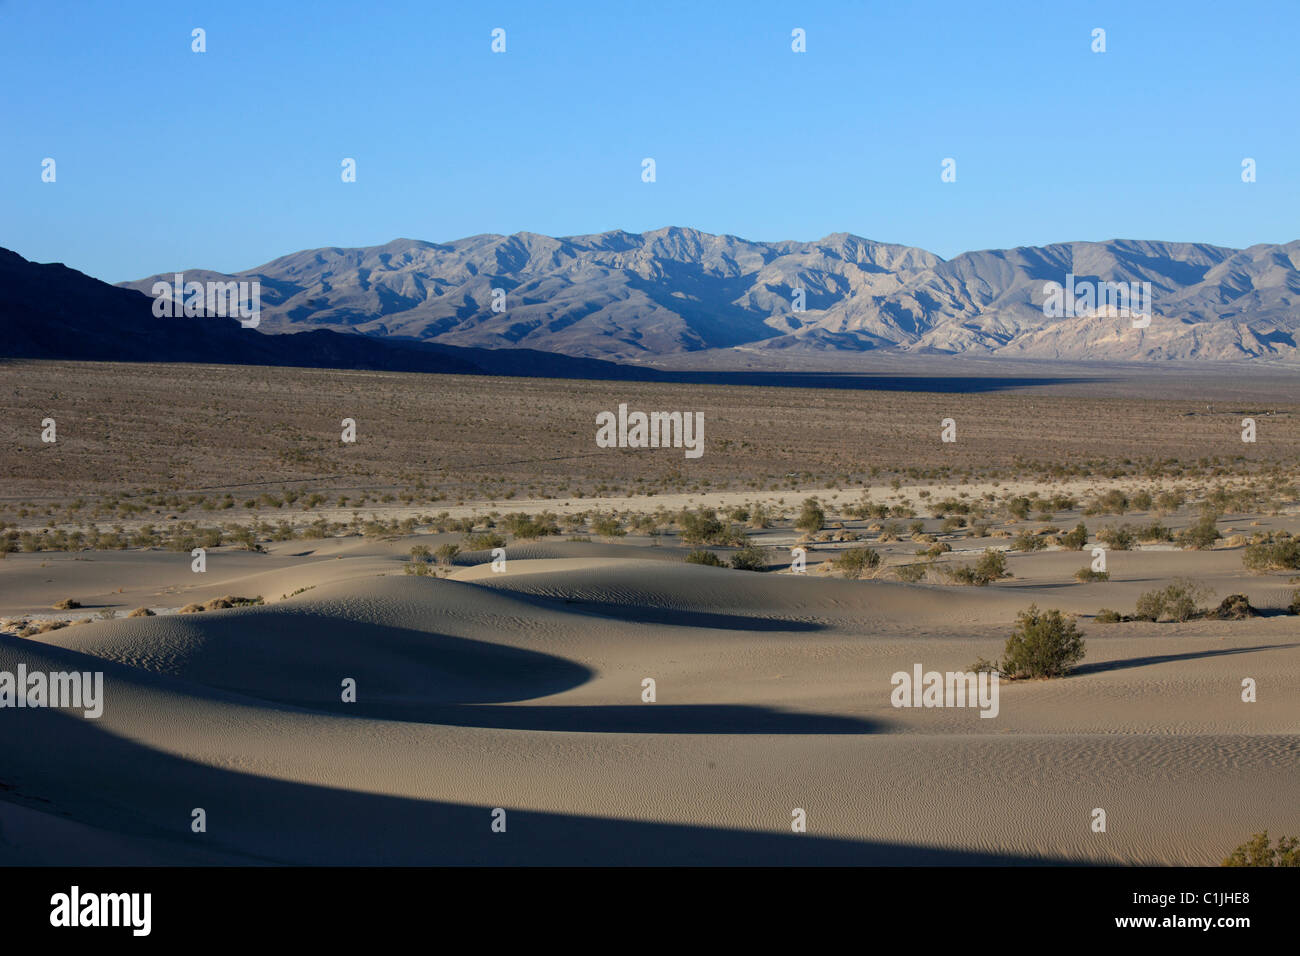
(167, 159)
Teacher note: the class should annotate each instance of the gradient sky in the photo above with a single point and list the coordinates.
(169, 159)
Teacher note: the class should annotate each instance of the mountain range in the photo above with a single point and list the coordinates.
(628, 297)
(49, 311)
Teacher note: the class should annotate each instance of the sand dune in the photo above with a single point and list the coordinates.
(522, 691)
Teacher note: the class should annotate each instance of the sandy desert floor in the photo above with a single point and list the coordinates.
(522, 690)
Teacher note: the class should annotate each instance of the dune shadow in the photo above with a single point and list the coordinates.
(620, 718)
(298, 656)
(650, 614)
(431, 678)
(1103, 666)
(144, 796)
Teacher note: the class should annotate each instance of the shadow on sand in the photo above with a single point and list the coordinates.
(1104, 666)
(143, 797)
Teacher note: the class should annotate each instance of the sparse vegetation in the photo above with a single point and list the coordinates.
(708, 558)
(1043, 644)
(991, 566)
(855, 562)
(750, 558)
(1179, 601)
(1258, 851)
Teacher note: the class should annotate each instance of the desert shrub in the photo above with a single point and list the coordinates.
(1113, 502)
(811, 518)
(1107, 616)
(192, 609)
(141, 612)
(936, 549)
(750, 558)
(1154, 531)
(738, 513)
(1142, 501)
(1028, 542)
(484, 542)
(1294, 606)
(953, 523)
(701, 527)
(700, 556)
(1235, 607)
(911, 573)
(1088, 575)
(1202, 534)
(446, 553)
(1117, 539)
(607, 526)
(857, 561)
(759, 517)
(420, 554)
(1178, 601)
(526, 526)
(1257, 851)
(1043, 644)
(1167, 502)
(1276, 552)
(916, 527)
(67, 604)
(1076, 539)
(991, 566)
(1019, 507)
(230, 600)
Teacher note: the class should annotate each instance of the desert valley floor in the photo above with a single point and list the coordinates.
(522, 689)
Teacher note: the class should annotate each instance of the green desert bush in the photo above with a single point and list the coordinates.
(1088, 575)
(1179, 601)
(1019, 507)
(230, 600)
(446, 553)
(1258, 851)
(1117, 539)
(607, 526)
(1043, 644)
(855, 562)
(528, 527)
(1028, 542)
(1201, 535)
(750, 558)
(1276, 552)
(701, 527)
(1154, 531)
(1076, 539)
(811, 518)
(708, 558)
(911, 573)
(1107, 616)
(991, 566)
(484, 542)
(1113, 502)
(67, 604)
